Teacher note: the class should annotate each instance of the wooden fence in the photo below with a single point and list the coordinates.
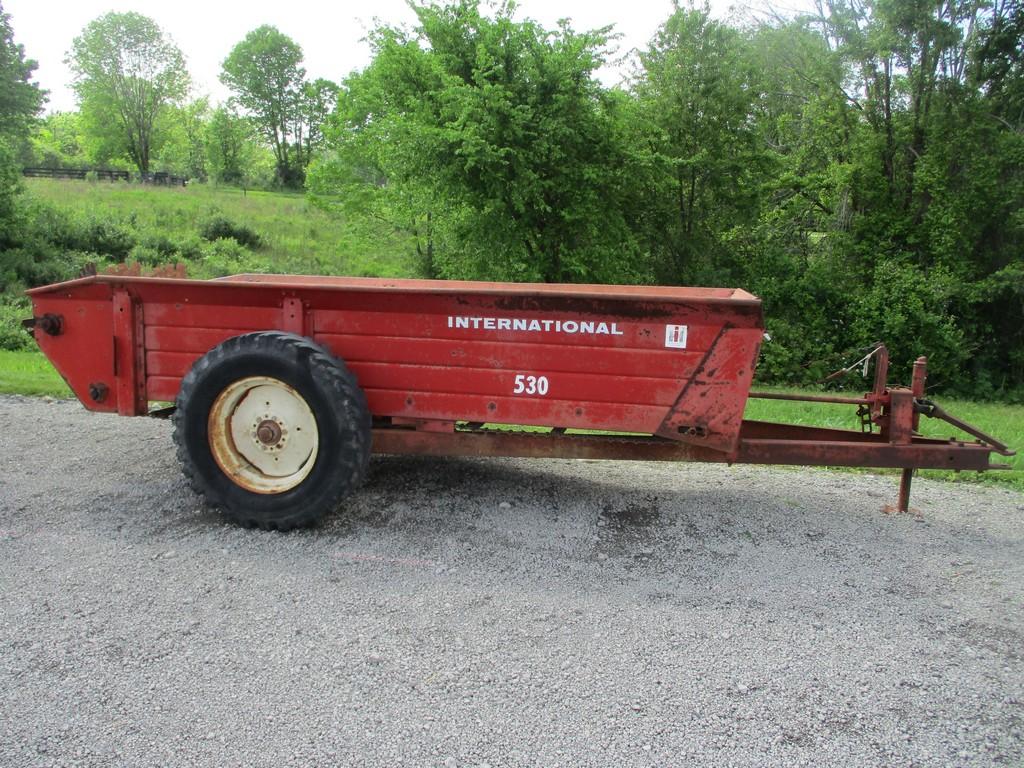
(160, 178)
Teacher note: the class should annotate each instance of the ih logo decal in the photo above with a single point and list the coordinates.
(675, 336)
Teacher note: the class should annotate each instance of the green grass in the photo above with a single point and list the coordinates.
(297, 236)
(29, 373)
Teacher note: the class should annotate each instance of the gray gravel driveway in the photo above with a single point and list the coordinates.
(499, 612)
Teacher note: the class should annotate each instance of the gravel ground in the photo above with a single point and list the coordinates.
(499, 612)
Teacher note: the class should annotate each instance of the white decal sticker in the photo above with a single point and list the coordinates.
(587, 327)
(675, 336)
(530, 385)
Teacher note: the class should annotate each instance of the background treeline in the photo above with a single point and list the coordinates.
(136, 110)
(860, 168)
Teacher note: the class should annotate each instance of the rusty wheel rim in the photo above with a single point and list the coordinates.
(263, 435)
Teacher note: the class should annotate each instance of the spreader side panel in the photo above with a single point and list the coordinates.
(679, 367)
(601, 365)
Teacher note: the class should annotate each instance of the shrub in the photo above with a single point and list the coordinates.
(145, 254)
(94, 234)
(221, 228)
(38, 263)
(42, 222)
(12, 311)
(156, 249)
(910, 310)
(104, 236)
(159, 243)
(10, 186)
(190, 248)
(225, 257)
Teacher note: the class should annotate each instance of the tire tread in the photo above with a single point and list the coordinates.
(330, 372)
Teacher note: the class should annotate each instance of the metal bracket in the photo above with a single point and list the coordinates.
(52, 325)
(867, 424)
(930, 409)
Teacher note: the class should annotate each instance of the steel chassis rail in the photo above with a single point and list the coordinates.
(818, 446)
(895, 445)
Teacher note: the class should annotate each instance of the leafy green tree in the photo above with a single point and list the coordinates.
(996, 301)
(936, 174)
(57, 141)
(997, 63)
(861, 168)
(183, 150)
(128, 73)
(10, 186)
(318, 100)
(20, 98)
(265, 73)
(491, 140)
(229, 149)
(695, 85)
(794, 247)
(20, 102)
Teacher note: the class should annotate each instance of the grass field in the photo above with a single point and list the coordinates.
(297, 236)
(29, 373)
(211, 231)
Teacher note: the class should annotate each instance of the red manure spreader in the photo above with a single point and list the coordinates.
(283, 385)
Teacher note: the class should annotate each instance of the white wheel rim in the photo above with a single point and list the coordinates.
(263, 434)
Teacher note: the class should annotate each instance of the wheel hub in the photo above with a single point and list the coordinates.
(263, 434)
(268, 432)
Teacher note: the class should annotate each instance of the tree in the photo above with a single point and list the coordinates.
(861, 168)
(997, 64)
(127, 74)
(20, 101)
(183, 150)
(228, 147)
(265, 72)
(57, 141)
(318, 100)
(494, 137)
(695, 86)
(20, 98)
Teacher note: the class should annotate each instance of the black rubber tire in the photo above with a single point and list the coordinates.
(333, 395)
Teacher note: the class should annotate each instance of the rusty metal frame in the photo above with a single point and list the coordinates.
(816, 447)
(896, 411)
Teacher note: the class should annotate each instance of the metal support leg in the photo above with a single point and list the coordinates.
(903, 505)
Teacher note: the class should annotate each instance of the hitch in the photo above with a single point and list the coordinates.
(933, 411)
(895, 412)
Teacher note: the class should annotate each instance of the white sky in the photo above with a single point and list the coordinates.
(330, 32)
